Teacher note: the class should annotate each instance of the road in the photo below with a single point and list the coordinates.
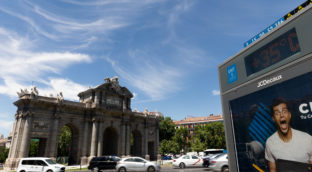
(167, 169)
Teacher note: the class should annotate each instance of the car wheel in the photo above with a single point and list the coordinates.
(49, 171)
(122, 169)
(22, 171)
(225, 169)
(95, 169)
(151, 169)
(182, 165)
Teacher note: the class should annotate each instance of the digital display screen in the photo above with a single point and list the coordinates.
(275, 51)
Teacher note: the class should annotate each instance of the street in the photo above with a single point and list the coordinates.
(167, 169)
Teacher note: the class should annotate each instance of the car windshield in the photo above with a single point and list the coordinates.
(222, 154)
(50, 161)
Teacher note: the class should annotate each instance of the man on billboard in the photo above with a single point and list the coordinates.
(286, 143)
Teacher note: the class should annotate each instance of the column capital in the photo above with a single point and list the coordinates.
(26, 114)
(17, 115)
(95, 119)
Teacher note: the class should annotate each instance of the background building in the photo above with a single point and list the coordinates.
(191, 122)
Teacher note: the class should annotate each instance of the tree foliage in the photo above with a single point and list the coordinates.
(168, 146)
(206, 136)
(197, 145)
(211, 135)
(181, 137)
(3, 154)
(64, 142)
(34, 147)
(166, 129)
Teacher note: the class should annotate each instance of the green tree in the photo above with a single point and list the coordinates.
(211, 135)
(168, 146)
(3, 154)
(64, 142)
(181, 137)
(216, 135)
(34, 147)
(197, 145)
(166, 129)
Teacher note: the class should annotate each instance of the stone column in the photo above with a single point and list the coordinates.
(14, 133)
(84, 159)
(54, 134)
(145, 148)
(100, 140)
(12, 160)
(97, 98)
(26, 133)
(94, 138)
(157, 142)
(122, 139)
(124, 104)
(128, 137)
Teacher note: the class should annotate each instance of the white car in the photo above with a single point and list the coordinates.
(188, 161)
(136, 164)
(39, 164)
(219, 163)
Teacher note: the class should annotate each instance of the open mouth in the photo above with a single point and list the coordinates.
(283, 125)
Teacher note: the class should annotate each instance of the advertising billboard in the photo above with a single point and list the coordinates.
(287, 123)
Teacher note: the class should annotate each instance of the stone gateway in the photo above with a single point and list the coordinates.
(102, 123)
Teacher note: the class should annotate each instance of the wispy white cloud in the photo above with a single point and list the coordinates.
(215, 92)
(153, 78)
(112, 2)
(31, 22)
(66, 25)
(19, 65)
(69, 88)
(174, 17)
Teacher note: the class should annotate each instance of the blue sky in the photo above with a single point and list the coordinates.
(166, 52)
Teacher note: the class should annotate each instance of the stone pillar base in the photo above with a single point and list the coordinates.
(84, 160)
(89, 159)
(158, 158)
(11, 164)
(147, 157)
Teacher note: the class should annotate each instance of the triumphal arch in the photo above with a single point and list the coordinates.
(101, 123)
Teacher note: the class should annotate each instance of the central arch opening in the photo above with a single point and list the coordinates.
(110, 141)
(67, 148)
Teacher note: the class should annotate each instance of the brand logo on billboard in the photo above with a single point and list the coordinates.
(305, 109)
(269, 81)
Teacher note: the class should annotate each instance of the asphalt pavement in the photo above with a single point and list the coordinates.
(164, 169)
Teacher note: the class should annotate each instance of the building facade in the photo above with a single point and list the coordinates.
(191, 122)
(5, 142)
(102, 123)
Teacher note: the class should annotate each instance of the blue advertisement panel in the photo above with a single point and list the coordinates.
(273, 127)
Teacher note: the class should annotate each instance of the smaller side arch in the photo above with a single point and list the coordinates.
(136, 143)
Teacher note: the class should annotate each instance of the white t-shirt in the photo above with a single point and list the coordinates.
(299, 148)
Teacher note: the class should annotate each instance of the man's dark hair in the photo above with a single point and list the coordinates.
(276, 102)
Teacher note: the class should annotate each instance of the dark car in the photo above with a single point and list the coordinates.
(208, 158)
(103, 162)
